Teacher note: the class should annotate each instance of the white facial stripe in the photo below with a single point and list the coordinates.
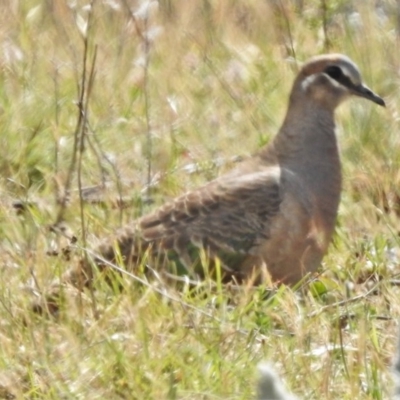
(306, 82)
(351, 73)
(310, 80)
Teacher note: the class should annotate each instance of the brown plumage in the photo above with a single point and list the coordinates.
(275, 210)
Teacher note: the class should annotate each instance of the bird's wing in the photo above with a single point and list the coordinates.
(229, 217)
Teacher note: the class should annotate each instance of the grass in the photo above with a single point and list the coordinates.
(179, 91)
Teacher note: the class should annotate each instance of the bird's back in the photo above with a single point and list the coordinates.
(227, 219)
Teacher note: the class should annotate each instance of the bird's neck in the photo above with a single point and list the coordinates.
(306, 145)
(307, 136)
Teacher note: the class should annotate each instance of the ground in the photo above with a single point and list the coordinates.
(134, 102)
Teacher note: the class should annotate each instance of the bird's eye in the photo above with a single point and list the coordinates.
(334, 72)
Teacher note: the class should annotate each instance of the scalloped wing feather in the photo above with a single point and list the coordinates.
(227, 217)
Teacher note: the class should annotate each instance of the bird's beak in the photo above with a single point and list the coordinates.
(364, 91)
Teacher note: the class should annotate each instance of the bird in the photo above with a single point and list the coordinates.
(272, 216)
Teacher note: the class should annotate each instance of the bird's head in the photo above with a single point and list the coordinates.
(330, 79)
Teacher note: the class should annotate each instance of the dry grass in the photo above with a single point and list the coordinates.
(180, 89)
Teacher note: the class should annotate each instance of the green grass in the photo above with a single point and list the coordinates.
(212, 85)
